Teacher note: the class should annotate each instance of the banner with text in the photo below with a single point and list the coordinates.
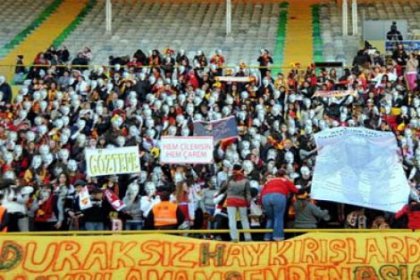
(409, 45)
(220, 129)
(361, 167)
(186, 150)
(334, 93)
(234, 79)
(146, 257)
(112, 161)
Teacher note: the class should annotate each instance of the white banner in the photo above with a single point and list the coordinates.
(361, 167)
(233, 79)
(186, 150)
(334, 93)
(112, 161)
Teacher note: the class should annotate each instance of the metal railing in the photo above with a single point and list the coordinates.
(197, 231)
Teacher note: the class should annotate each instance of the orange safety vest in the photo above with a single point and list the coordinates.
(165, 214)
(2, 212)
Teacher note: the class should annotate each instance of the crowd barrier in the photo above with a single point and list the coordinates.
(11, 67)
(318, 254)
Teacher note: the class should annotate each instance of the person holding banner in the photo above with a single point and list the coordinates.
(307, 213)
(238, 198)
(274, 198)
(94, 216)
(411, 210)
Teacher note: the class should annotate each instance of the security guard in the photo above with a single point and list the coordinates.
(164, 215)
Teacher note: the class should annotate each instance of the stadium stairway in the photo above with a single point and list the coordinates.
(299, 40)
(278, 54)
(316, 35)
(46, 33)
(18, 38)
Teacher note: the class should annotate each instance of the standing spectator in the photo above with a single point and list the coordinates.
(72, 207)
(20, 70)
(265, 60)
(165, 215)
(94, 216)
(307, 213)
(133, 208)
(411, 71)
(237, 200)
(5, 91)
(400, 57)
(4, 217)
(209, 205)
(64, 191)
(394, 34)
(14, 200)
(274, 197)
(63, 54)
(221, 220)
(412, 211)
(184, 199)
(45, 208)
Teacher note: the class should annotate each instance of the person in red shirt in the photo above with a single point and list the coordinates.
(412, 211)
(274, 198)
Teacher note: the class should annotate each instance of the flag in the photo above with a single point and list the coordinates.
(220, 129)
(113, 199)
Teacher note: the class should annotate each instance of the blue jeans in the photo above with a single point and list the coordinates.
(94, 226)
(274, 206)
(133, 225)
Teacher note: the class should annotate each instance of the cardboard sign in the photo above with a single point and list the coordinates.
(112, 161)
(186, 150)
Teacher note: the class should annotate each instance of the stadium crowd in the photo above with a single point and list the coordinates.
(262, 178)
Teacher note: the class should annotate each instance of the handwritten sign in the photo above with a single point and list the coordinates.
(234, 79)
(221, 129)
(143, 257)
(111, 161)
(361, 167)
(186, 150)
(334, 93)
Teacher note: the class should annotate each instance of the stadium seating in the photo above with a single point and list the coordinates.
(179, 26)
(338, 48)
(15, 19)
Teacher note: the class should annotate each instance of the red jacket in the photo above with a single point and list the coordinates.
(413, 217)
(279, 185)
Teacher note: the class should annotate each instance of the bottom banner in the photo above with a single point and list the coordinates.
(167, 257)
